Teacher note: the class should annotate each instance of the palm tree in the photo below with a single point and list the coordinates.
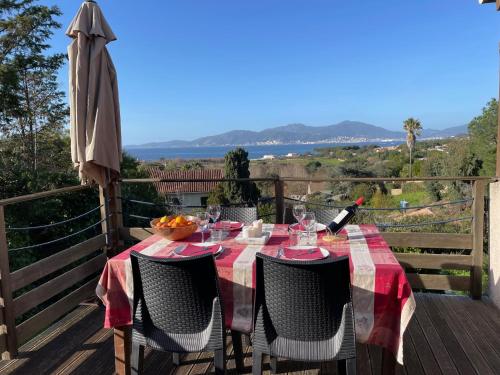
(413, 128)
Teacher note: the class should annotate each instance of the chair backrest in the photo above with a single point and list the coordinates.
(173, 295)
(242, 214)
(302, 301)
(325, 216)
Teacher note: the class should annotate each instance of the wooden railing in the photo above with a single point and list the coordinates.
(11, 334)
(114, 232)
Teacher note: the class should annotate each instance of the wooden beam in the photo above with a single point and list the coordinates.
(438, 282)
(136, 233)
(428, 240)
(46, 266)
(53, 287)
(279, 198)
(478, 238)
(40, 321)
(334, 179)
(6, 293)
(43, 194)
(434, 261)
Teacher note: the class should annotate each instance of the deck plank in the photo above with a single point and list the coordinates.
(412, 364)
(448, 335)
(446, 327)
(484, 341)
(436, 345)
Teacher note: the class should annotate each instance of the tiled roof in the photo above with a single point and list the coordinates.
(185, 187)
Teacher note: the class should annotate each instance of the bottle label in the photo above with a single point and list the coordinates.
(340, 216)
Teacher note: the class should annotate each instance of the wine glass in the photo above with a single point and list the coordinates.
(213, 211)
(298, 212)
(309, 222)
(203, 220)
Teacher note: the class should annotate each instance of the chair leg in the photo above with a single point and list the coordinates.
(220, 361)
(238, 350)
(176, 359)
(350, 366)
(257, 362)
(137, 359)
(347, 366)
(273, 362)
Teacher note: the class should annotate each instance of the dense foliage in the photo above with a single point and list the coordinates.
(236, 166)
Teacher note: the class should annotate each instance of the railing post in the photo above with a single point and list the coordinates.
(8, 343)
(279, 195)
(476, 288)
(111, 214)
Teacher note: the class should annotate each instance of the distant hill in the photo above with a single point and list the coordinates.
(445, 133)
(345, 131)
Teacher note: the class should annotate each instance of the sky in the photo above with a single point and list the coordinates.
(192, 68)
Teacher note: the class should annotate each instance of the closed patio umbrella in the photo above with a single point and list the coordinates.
(94, 108)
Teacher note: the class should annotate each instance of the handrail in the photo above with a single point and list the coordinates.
(330, 179)
(58, 223)
(43, 194)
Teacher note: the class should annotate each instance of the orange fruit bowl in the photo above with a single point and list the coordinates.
(174, 232)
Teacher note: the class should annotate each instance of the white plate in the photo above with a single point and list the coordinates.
(324, 252)
(319, 227)
(219, 250)
(240, 226)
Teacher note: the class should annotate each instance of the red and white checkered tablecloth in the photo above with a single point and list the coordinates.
(382, 297)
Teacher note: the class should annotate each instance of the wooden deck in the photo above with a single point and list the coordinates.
(449, 335)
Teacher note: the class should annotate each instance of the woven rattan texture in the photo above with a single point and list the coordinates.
(241, 214)
(304, 309)
(176, 303)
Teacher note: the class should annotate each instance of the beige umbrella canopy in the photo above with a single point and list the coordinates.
(96, 147)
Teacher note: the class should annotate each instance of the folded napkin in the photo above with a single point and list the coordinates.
(193, 250)
(233, 225)
(303, 254)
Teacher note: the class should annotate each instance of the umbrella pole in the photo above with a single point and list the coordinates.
(107, 210)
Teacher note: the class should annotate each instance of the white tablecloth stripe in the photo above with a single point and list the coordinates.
(363, 283)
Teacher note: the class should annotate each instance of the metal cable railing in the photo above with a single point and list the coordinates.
(59, 239)
(461, 201)
(426, 223)
(58, 223)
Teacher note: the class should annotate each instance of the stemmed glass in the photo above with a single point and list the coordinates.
(298, 212)
(309, 222)
(203, 221)
(213, 211)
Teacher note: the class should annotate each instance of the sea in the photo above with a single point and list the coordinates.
(254, 152)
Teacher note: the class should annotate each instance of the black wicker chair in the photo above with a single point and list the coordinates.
(177, 308)
(241, 214)
(303, 311)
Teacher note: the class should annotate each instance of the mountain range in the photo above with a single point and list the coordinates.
(343, 132)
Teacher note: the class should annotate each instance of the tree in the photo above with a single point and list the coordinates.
(31, 104)
(483, 136)
(413, 128)
(236, 165)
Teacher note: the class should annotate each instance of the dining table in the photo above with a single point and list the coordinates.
(382, 297)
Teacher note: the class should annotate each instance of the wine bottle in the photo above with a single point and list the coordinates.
(345, 216)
